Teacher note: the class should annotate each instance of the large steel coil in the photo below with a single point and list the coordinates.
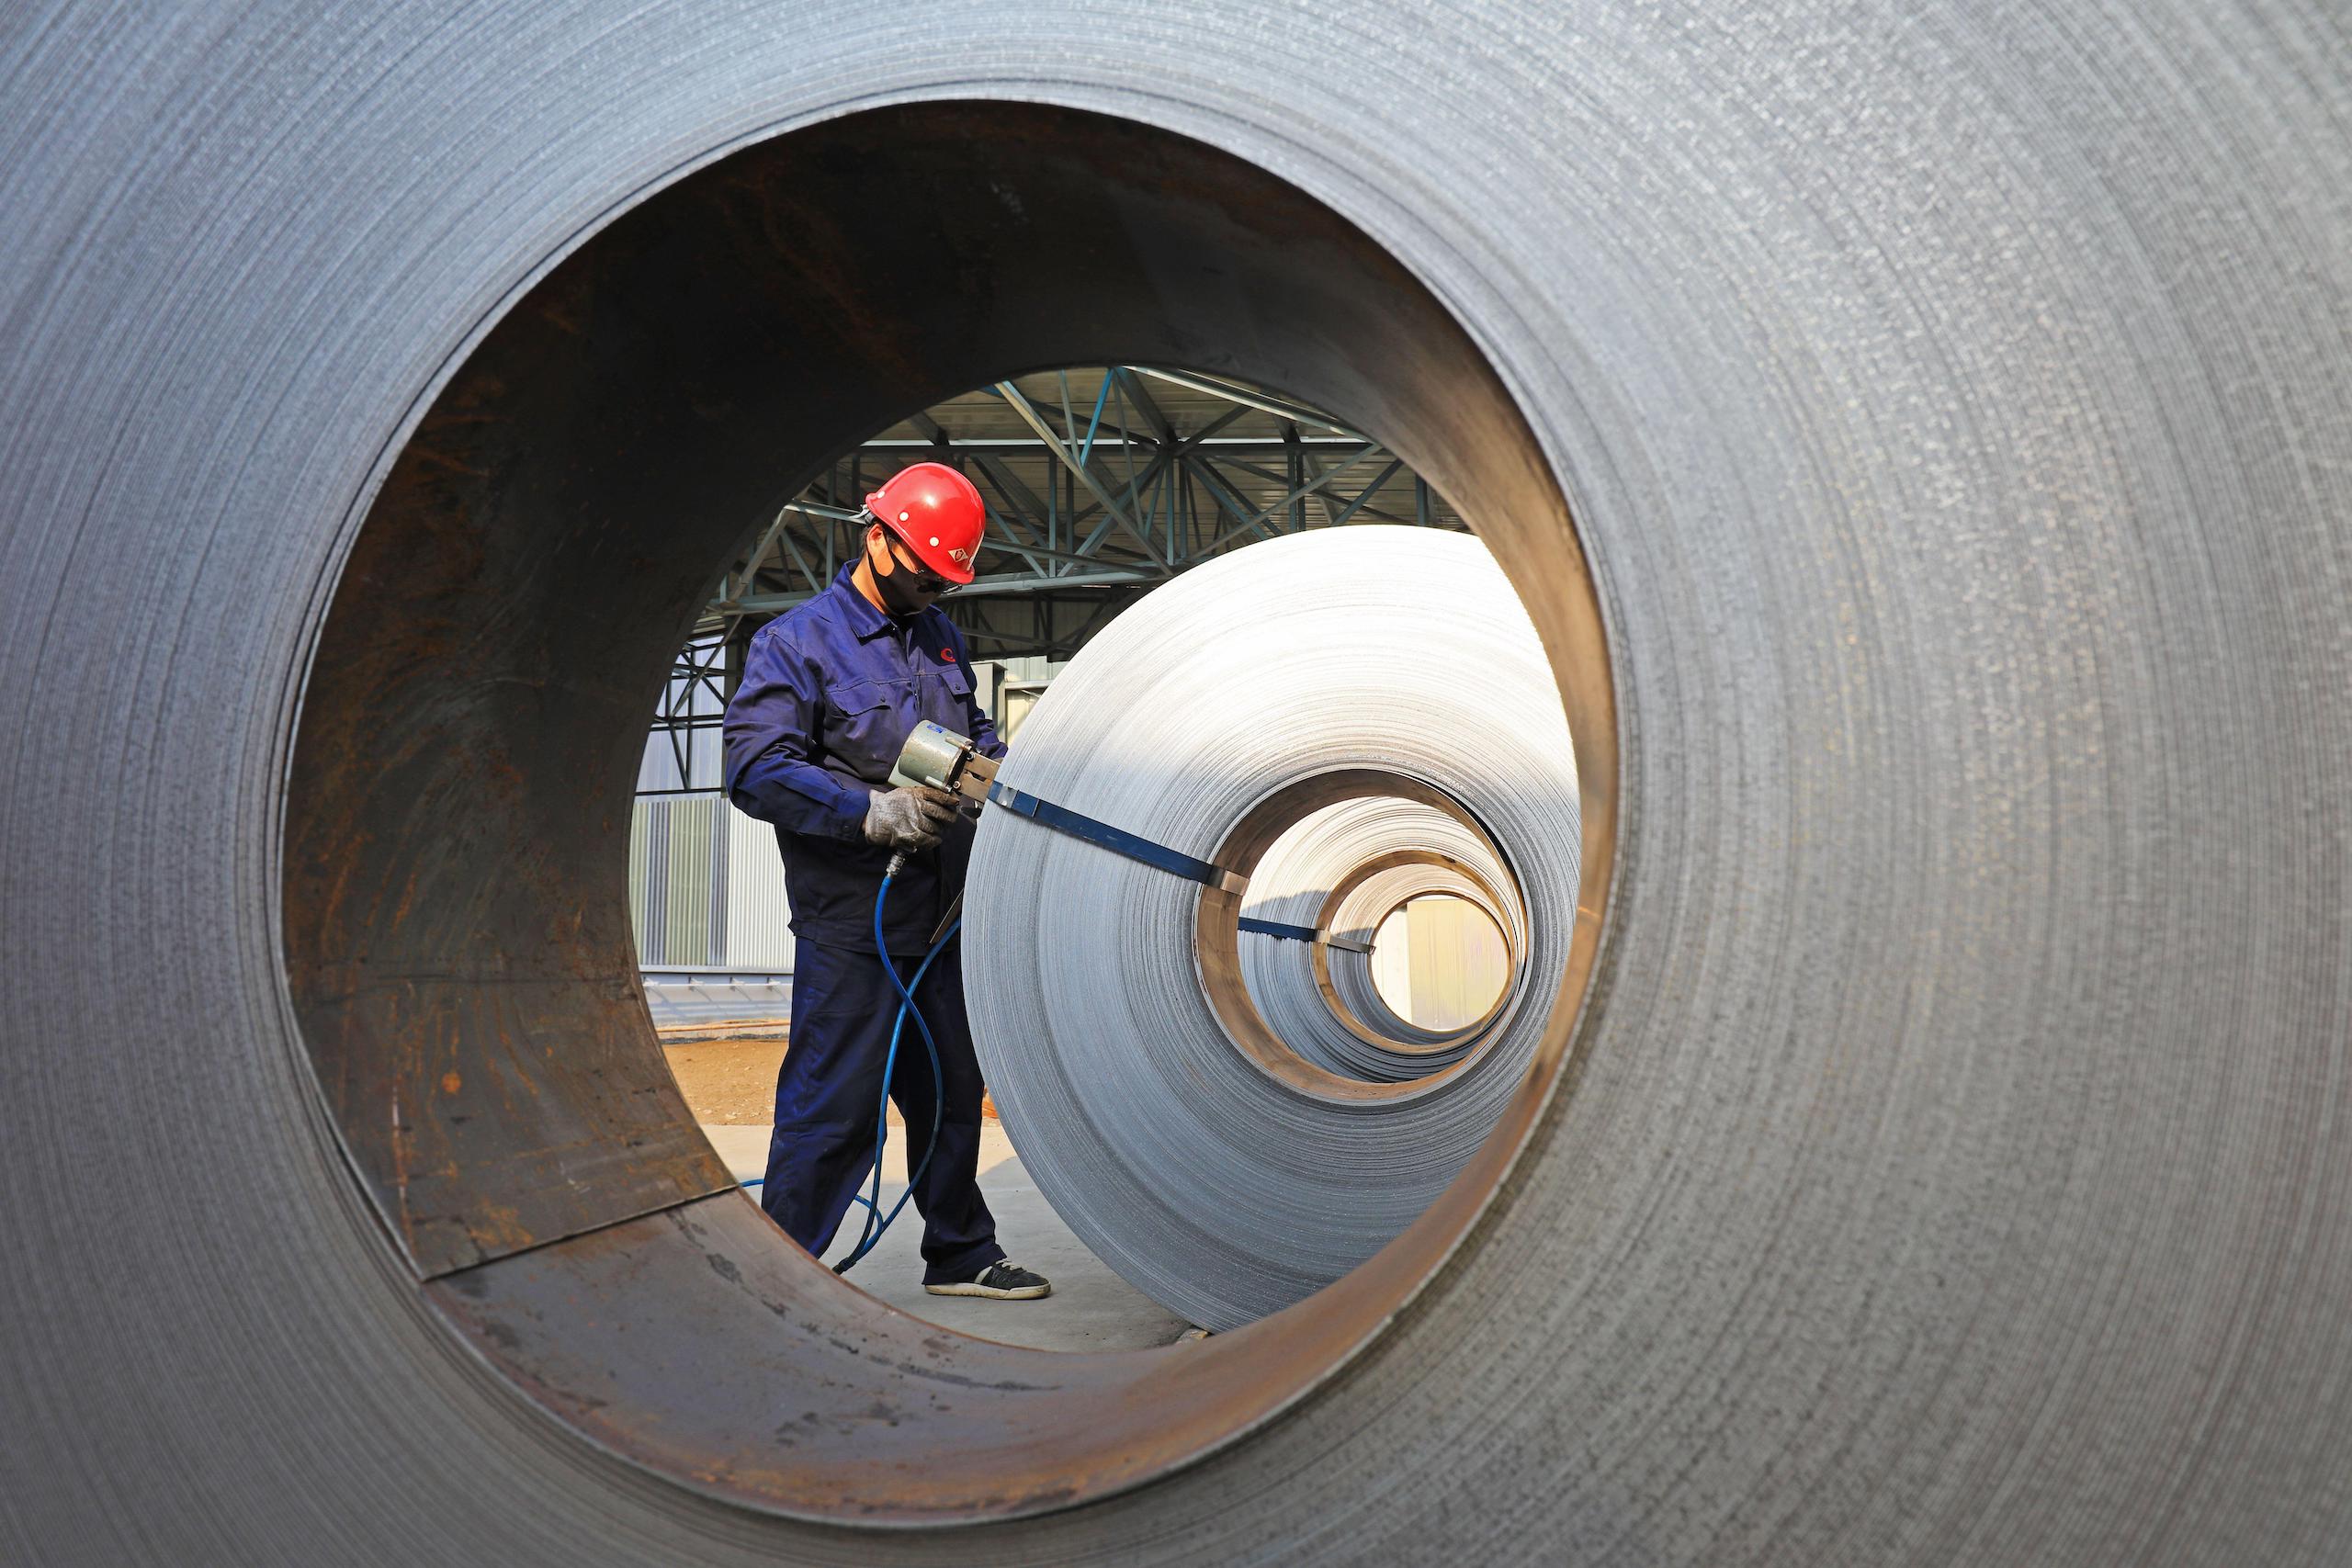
(1187, 1105)
(1938, 1155)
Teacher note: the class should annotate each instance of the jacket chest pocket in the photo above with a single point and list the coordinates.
(866, 723)
(940, 696)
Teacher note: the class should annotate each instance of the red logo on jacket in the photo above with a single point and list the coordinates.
(948, 654)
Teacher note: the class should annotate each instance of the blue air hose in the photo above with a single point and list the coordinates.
(877, 1222)
(870, 1235)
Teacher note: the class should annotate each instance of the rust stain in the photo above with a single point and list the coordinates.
(426, 458)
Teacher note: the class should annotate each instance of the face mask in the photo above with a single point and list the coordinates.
(897, 584)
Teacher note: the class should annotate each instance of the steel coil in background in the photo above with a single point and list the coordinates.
(1953, 399)
(1220, 1191)
(1354, 988)
(1333, 871)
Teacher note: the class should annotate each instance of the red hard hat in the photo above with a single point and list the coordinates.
(937, 512)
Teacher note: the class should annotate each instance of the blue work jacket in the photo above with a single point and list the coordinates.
(829, 694)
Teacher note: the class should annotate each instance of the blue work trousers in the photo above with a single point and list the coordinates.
(829, 1090)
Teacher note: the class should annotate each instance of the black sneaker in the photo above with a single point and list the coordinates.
(1002, 1281)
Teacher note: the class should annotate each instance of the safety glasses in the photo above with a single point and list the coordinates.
(926, 580)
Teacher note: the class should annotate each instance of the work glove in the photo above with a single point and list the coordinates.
(909, 817)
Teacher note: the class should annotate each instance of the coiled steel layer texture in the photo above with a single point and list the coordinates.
(1938, 1152)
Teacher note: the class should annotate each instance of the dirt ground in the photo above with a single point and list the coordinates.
(730, 1082)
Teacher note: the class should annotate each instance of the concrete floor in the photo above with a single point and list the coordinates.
(1091, 1309)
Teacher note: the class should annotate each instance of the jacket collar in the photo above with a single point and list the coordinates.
(864, 621)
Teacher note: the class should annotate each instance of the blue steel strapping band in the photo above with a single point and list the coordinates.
(1159, 857)
(1117, 839)
(1302, 934)
(1276, 928)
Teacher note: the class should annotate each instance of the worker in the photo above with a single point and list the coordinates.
(830, 693)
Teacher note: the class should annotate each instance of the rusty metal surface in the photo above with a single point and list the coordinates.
(693, 1342)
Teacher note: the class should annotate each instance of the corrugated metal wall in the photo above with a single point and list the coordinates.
(759, 930)
(1439, 962)
(1008, 688)
(706, 887)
